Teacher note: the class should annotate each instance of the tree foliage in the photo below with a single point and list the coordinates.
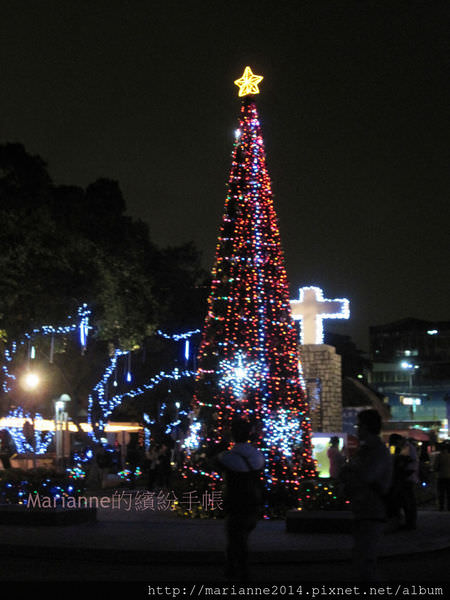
(62, 246)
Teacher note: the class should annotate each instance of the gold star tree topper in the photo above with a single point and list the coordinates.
(248, 83)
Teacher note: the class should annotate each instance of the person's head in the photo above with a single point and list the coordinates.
(369, 423)
(240, 430)
(334, 441)
(395, 439)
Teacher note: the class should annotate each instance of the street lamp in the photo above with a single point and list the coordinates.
(60, 426)
(410, 368)
(30, 382)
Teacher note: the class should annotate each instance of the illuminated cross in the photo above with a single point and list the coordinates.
(311, 308)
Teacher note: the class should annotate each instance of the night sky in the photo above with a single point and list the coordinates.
(355, 114)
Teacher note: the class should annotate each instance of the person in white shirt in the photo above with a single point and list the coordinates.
(243, 498)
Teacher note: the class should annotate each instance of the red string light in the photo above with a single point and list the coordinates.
(249, 316)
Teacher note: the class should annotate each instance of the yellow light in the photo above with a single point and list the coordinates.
(49, 425)
(30, 381)
(248, 83)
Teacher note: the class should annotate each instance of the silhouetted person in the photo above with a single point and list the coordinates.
(133, 459)
(408, 500)
(335, 457)
(424, 464)
(394, 497)
(367, 479)
(442, 469)
(5, 450)
(163, 468)
(402, 495)
(97, 468)
(153, 463)
(243, 498)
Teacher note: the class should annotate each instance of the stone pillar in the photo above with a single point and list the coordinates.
(322, 373)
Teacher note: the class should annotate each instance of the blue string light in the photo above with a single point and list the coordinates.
(178, 336)
(23, 446)
(84, 313)
(98, 398)
(45, 330)
(192, 441)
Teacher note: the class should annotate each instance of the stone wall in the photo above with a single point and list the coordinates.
(322, 372)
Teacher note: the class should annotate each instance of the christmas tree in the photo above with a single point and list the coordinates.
(248, 361)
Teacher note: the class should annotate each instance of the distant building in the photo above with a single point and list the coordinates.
(411, 367)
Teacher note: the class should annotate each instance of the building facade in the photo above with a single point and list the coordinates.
(411, 367)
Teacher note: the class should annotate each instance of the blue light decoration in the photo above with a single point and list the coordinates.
(312, 308)
(99, 399)
(284, 431)
(76, 472)
(127, 475)
(84, 313)
(57, 488)
(41, 441)
(192, 441)
(128, 376)
(102, 404)
(147, 430)
(240, 374)
(9, 378)
(45, 330)
(178, 336)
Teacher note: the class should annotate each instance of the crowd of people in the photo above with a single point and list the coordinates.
(153, 465)
(381, 480)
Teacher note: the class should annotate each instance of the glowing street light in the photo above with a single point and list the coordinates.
(30, 381)
(410, 368)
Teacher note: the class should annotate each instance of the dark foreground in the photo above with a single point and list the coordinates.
(427, 567)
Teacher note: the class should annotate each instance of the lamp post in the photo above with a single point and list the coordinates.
(410, 368)
(60, 427)
(30, 383)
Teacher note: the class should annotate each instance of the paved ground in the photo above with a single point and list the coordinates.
(418, 568)
(130, 545)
